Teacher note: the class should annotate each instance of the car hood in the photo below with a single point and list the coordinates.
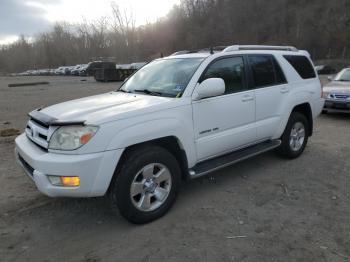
(337, 86)
(105, 107)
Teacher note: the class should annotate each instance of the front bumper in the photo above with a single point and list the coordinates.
(333, 105)
(95, 170)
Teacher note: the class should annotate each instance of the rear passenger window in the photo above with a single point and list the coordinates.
(266, 71)
(302, 65)
(231, 70)
(280, 78)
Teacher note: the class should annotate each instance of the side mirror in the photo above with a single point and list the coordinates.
(330, 78)
(209, 88)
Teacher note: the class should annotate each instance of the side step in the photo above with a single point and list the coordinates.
(217, 163)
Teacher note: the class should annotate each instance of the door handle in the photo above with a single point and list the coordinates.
(247, 98)
(284, 90)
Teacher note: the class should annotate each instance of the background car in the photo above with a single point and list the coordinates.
(337, 93)
(92, 66)
(82, 70)
(75, 70)
(325, 70)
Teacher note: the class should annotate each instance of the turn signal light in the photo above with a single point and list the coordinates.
(70, 181)
(85, 138)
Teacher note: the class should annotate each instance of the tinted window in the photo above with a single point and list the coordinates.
(231, 70)
(280, 78)
(266, 71)
(262, 70)
(302, 65)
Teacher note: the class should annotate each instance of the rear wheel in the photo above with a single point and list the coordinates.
(295, 136)
(146, 184)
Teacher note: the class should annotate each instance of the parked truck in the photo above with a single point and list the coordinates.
(109, 71)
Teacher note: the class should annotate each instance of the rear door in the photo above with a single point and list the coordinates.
(225, 122)
(271, 92)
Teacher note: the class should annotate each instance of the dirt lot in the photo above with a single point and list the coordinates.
(263, 209)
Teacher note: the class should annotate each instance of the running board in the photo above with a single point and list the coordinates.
(217, 163)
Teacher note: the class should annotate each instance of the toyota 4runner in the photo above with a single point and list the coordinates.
(178, 117)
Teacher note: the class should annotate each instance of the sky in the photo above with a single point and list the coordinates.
(30, 17)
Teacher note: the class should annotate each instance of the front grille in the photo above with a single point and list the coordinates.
(43, 137)
(340, 96)
(37, 133)
(27, 167)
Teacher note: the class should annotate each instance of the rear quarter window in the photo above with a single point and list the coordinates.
(302, 65)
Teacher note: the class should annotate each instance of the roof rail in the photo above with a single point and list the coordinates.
(183, 52)
(210, 50)
(259, 47)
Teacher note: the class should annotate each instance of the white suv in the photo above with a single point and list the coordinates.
(178, 117)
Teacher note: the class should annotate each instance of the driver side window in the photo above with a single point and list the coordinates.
(231, 70)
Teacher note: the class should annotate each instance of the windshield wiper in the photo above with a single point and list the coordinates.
(122, 90)
(148, 92)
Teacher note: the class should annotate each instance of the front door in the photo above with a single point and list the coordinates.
(225, 122)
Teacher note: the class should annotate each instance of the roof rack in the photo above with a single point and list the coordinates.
(213, 49)
(210, 50)
(259, 47)
(183, 52)
(216, 49)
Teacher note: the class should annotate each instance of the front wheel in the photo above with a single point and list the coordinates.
(146, 184)
(295, 136)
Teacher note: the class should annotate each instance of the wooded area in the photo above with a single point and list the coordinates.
(321, 27)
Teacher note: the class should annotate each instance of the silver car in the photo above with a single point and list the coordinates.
(337, 93)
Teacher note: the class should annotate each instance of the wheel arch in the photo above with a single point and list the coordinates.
(170, 143)
(305, 109)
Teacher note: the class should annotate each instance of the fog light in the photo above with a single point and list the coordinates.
(65, 181)
(55, 180)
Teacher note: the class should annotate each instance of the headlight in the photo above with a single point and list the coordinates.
(71, 137)
(325, 95)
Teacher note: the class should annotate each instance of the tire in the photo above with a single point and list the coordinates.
(293, 145)
(154, 174)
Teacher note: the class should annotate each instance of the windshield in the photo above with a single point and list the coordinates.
(344, 75)
(165, 77)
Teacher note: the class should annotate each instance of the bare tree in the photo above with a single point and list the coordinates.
(123, 25)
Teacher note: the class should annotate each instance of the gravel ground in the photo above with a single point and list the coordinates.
(263, 209)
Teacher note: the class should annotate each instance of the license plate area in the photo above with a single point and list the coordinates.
(340, 105)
